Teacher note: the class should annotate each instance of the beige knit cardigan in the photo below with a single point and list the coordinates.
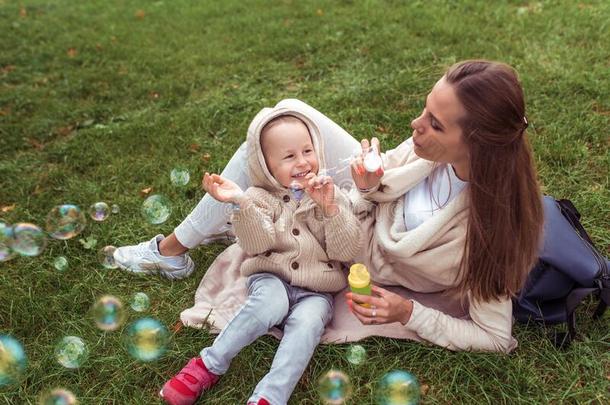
(293, 239)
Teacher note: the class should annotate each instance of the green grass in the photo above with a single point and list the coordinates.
(116, 113)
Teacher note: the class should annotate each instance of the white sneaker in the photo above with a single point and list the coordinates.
(144, 258)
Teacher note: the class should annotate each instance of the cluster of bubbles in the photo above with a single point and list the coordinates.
(71, 352)
(397, 387)
(58, 396)
(12, 360)
(146, 339)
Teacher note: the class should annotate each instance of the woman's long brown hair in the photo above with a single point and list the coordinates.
(506, 215)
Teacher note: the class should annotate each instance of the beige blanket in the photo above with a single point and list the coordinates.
(222, 292)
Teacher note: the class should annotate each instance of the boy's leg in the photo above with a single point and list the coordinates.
(266, 306)
(302, 331)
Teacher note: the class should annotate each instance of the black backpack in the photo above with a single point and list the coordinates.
(569, 269)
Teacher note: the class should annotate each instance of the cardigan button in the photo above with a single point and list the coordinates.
(295, 232)
(286, 198)
(294, 265)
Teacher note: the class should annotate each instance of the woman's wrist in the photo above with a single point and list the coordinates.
(408, 311)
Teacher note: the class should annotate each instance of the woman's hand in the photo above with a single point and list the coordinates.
(385, 307)
(321, 189)
(221, 189)
(363, 178)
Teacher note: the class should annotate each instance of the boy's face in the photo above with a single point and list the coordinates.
(289, 153)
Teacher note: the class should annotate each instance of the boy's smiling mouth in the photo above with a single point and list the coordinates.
(302, 174)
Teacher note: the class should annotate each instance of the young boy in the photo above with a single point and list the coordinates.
(296, 227)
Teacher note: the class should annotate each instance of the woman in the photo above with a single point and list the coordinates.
(456, 209)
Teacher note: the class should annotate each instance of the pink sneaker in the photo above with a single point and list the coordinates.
(186, 386)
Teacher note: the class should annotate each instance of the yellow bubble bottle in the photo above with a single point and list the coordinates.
(359, 280)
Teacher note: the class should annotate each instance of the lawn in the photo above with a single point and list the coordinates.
(100, 100)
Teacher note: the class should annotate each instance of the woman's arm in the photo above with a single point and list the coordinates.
(488, 329)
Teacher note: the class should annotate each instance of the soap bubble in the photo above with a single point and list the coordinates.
(156, 209)
(12, 360)
(99, 211)
(6, 240)
(334, 387)
(106, 257)
(71, 352)
(115, 209)
(297, 190)
(398, 388)
(147, 339)
(108, 313)
(140, 302)
(29, 240)
(356, 354)
(60, 263)
(65, 221)
(179, 177)
(58, 396)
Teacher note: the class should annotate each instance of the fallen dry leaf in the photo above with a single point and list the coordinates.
(320, 12)
(235, 86)
(72, 52)
(5, 111)
(145, 191)
(205, 157)
(113, 39)
(423, 389)
(7, 69)
(23, 12)
(194, 147)
(36, 144)
(153, 95)
(177, 327)
(99, 46)
(65, 131)
(8, 208)
(140, 14)
(382, 129)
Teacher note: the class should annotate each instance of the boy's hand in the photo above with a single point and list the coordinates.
(364, 179)
(223, 190)
(321, 189)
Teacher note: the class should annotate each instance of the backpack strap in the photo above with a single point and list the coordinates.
(572, 300)
(604, 299)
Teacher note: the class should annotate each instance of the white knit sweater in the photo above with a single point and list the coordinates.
(427, 258)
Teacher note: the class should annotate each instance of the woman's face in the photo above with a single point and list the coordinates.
(436, 134)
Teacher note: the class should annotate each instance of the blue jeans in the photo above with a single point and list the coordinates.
(272, 302)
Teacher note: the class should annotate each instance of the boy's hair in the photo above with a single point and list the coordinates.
(278, 120)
